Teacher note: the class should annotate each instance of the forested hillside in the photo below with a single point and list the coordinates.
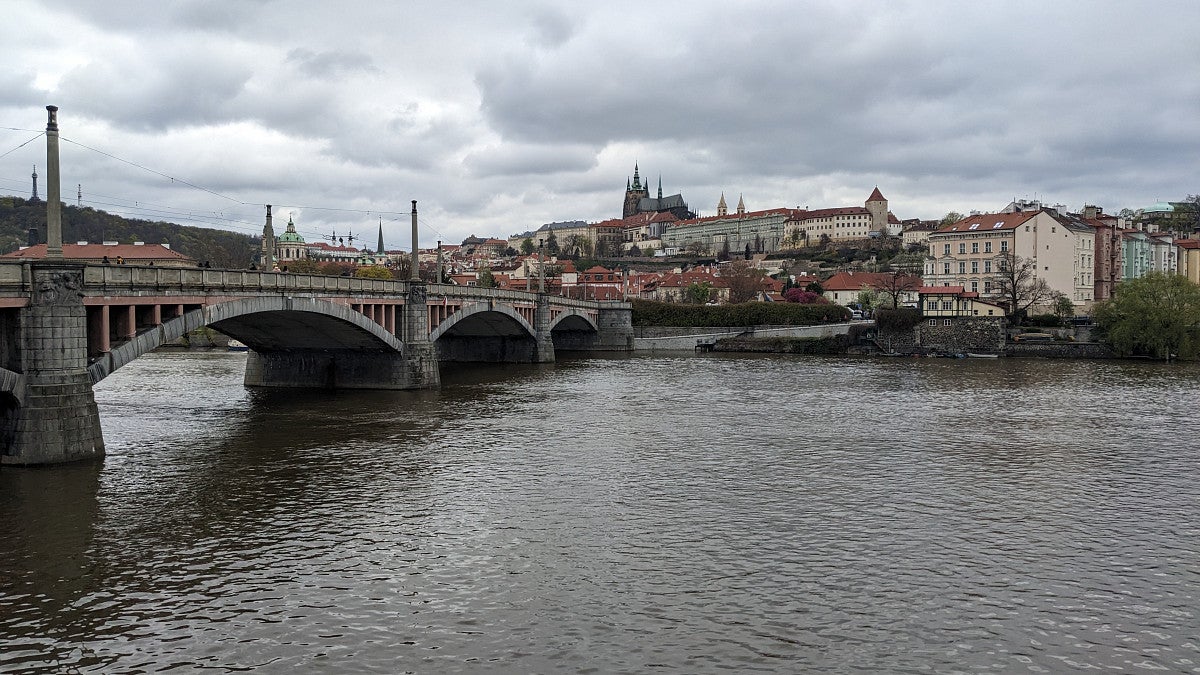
(220, 247)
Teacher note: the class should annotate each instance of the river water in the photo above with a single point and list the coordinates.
(686, 514)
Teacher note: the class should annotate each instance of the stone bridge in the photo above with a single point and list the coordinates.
(68, 325)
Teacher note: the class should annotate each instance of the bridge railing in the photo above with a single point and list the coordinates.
(14, 279)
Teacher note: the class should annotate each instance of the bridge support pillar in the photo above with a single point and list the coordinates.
(541, 325)
(419, 351)
(615, 328)
(52, 416)
(326, 369)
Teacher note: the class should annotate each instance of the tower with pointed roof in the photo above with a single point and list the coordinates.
(379, 249)
(877, 206)
(638, 199)
(722, 209)
(268, 243)
(741, 207)
(634, 193)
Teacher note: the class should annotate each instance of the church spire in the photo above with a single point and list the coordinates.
(741, 209)
(380, 248)
(722, 209)
(637, 181)
(660, 186)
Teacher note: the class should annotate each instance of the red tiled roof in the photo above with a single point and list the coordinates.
(876, 196)
(987, 222)
(940, 290)
(850, 281)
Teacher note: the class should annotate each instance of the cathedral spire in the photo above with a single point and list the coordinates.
(380, 248)
(722, 209)
(660, 186)
(741, 208)
(637, 181)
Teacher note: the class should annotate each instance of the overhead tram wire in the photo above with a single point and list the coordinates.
(193, 215)
(23, 144)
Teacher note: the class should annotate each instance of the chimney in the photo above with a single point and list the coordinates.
(1091, 212)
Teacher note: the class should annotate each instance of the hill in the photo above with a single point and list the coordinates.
(220, 247)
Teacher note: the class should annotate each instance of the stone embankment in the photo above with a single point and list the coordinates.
(662, 338)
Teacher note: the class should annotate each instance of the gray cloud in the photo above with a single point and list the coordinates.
(507, 116)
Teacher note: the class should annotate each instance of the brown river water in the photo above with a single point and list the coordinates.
(683, 514)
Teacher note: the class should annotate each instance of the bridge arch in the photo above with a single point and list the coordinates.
(476, 320)
(263, 324)
(573, 319)
(487, 332)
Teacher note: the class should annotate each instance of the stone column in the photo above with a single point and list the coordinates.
(541, 324)
(55, 418)
(53, 198)
(420, 352)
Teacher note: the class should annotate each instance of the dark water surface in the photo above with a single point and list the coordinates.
(645, 514)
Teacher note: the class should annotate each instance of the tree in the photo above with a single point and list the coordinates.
(1064, 309)
(634, 251)
(895, 285)
(527, 246)
(552, 244)
(486, 278)
(373, 272)
(805, 297)
(745, 281)
(869, 298)
(815, 287)
(1157, 315)
(950, 218)
(696, 248)
(1018, 285)
(698, 293)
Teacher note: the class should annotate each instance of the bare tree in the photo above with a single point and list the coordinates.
(745, 281)
(896, 284)
(1018, 285)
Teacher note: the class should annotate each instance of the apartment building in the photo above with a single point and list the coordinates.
(967, 253)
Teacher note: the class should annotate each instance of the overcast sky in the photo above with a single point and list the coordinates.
(501, 116)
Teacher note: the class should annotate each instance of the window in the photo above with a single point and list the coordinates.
(946, 322)
(947, 304)
(946, 249)
(974, 267)
(962, 268)
(945, 268)
(987, 266)
(962, 248)
(931, 304)
(987, 247)
(1004, 246)
(974, 247)
(933, 322)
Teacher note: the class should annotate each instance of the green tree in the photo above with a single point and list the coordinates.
(373, 272)
(1064, 309)
(1157, 315)
(486, 278)
(527, 246)
(635, 252)
(552, 244)
(698, 293)
(950, 218)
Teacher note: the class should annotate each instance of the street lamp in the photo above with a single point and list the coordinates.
(541, 269)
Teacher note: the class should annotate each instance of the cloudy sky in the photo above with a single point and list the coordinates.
(500, 116)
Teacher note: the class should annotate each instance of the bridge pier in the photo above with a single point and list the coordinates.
(50, 415)
(544, 352)
(329, 369)
(420, 355)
